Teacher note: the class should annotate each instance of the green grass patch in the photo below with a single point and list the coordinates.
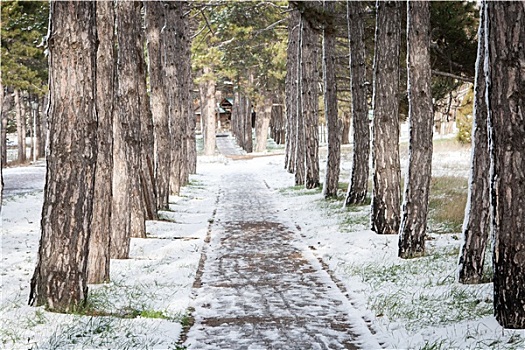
(447, 201)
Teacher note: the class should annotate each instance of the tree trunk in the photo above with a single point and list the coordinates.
(185, 89)
(208, 113)
(300, 149)
(7, 103)
(310, 103)
(421, 123)
(148, 188)
(59, 280)
(127, 211)
(506, 104)
(264, 114)
(100, 241)
(38, 130)
(358, 186)
(291, 88)
(247, 124)
(385, 206)
(20, 128)
(43, 124)
(159, 102)
(476, 225)
(331, 181)
(345, 140)
(172, 56)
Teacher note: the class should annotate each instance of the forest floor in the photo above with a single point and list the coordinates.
(242, 252)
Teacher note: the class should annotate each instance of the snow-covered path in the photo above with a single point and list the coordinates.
(261, 288)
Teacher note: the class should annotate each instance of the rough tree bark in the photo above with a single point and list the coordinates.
(505, 72)
(172, 56)
(148, 188)
(385, 208)
(476, 225)
(291, 88)
(310, 103)
(20, 127)
(358, 185)
(7, 103)
(60, 278)
(247, 124)
(264, 114)
(300, 149)
(127, 208)
(208, 112)
(99, 243)
(331, 181)
(155, 20)
(421, 122)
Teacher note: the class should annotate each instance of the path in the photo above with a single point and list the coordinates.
(24, 180)
(258, 288)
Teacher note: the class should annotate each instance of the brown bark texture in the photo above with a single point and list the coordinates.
(154, 13)
(262, 123)
(291, 88)
(310, 103)
(248, 127)
(208, 113)
(385, 208)
(421, 122)
(148, 187)
(506, 98)
(60, 278)
(127, 211)
(331, 181)
(20, 127)
(300, 148)
(100, 241)
(172, 54)
(476, 224)
(358, 184)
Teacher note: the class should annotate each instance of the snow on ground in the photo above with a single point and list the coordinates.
(410, 303)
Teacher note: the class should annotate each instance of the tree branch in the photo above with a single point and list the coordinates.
(453, 76)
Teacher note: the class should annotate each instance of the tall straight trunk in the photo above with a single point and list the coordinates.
(358, 185)
(331, 181)
(263, 115)
(38, 129)
(60, 278)
(148, 188)
(185, 90)
(385, 208)
(100, 241)
(208, 113)
(505, 72)
(127, 210)
(236, 116)
(421, 122)
(43, 124)
(190, 160)
(172, 56)
(345, 140)
(32, 127)
(155, 20)
(20, 127)
(310, 103)
(247, 124)
(300, 149)
(291, 88)
(476, 224)
(7, 102)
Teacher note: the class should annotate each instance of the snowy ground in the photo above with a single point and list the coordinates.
(411, 304)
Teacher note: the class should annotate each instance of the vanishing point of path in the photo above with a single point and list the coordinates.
(257, 288)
